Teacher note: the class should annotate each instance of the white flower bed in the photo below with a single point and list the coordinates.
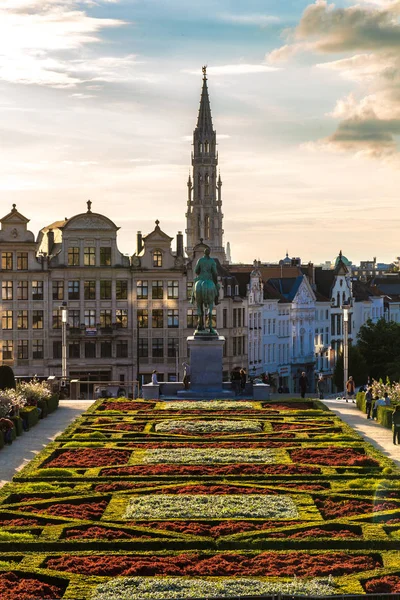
(211, 405)
(159, 588)
(207, 456)
(196, 427)
(186, 506)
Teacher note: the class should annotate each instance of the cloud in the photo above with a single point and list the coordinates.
(38, 38)
(369, 34)
(238, 69)
(249, 19)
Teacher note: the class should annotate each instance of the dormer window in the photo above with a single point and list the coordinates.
(157, 258)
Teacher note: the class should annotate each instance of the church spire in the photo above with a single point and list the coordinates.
(204, 120)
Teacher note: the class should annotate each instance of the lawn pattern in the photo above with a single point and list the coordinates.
(204, 499)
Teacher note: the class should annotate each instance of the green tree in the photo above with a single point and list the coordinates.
(379, 343)
(357, 368)
(7, 379)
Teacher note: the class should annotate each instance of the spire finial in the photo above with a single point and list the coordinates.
(157, 222)
(204, 69)
(89, 206)
(14, 208)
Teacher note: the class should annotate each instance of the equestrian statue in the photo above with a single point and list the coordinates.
(205, 293)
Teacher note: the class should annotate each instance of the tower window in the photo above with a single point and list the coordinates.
(157, 258)
(200, 148)
(206, 147)
(207, 184)
(207, 227)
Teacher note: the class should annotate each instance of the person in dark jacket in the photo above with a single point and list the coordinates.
(368, 402)
(235, 381)
(396, 424)
(243, 380)
(303, 384)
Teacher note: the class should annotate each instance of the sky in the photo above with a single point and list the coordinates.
(99, 99)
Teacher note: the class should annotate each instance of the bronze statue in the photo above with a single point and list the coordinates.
(205, 292)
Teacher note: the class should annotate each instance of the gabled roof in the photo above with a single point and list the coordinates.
(287, 287)
(14, 216)
(157, 234)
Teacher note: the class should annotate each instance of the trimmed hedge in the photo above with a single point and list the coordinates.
(384, 413)
(52, 403)
(31, 414)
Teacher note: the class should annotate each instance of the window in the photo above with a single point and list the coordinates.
(234, 318)
(6, 290)
(105, 289)
(7, 350)
(37, 290)
(224, 318)
(105, 318)
(73, 290)
(157, 290)
(206, 146)
(22, 350)
(189, 289)
(207, 220)
(37, 319)
(89, 290)
(191, 318)
(234, 346)
(90, 349)
(158, 348)
(73, 256)
(122, 289)
(6, 261)
(239, 317)
(22, 290)
(89, 256)
(173, 347)
(121, 318)
(57, 349)
(58, 290)
(142, 290)
(56, 321)
(7, 319)
(173, 289)
(74, 318)
(143, 318)
(74, 349)
(157, 258)
(143, 348)
(173, 317)
(122, 349)
(105, 349)
(22, 319)
(22, 261)
(207, 191)
(236, 290)
(90, 317)
(157, 319)
(37, 349)
(229, 290)
(105, 257)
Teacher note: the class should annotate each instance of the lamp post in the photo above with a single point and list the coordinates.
(345, 308)
(64, 316)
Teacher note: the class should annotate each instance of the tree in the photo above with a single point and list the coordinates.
(379, 344)
(7, 379)
(357, 368)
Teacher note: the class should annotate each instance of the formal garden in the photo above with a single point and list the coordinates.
(145, 500)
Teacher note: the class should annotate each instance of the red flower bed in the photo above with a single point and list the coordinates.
(123, 406)
(390, 584)
(87, 510)
(266, 564)
(89, 457)
(16, 587)
(102, 533)
(19, 522)
(296, 426)
(316, 532)
(119, 485)
(235, 469)
(238, 444)
(216, 490)
(214, 530)
(354, 457)
(128, 427)
(334, 509)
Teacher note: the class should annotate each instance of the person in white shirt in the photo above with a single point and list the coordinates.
(154, 380)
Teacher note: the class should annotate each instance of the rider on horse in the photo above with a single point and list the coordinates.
(205, 289)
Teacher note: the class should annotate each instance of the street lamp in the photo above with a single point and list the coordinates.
(64, 316)
(345, 308)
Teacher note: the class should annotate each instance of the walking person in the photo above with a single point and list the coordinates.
(235, 380)
(243, 380)
(396, 424)
(303, 384)
(186, 375)
(154, 380)
(350, 388)
(321, 387)
(378, 402)
(368, 402)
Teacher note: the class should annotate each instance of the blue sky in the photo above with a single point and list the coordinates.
(98, 99)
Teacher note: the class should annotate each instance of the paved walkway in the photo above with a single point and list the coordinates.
(13, 458)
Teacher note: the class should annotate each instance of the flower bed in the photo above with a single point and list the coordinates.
(102, 533)
(199, 427)
(126, 406)
(214, 529)
(89, 457)
(201, 470)
(390, 584)
(354, 457)
(200, 456)
(335, 509)
(15, 586)
(199, 406)
(84, 510)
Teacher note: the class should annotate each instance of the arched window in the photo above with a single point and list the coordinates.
(207, 184)
(206, 147)
(157, 258)
(207, 227)
(200, 148)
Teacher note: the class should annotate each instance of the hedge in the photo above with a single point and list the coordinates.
(384, 413)
(31, 414)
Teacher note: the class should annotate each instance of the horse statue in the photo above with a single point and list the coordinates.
(205, 292)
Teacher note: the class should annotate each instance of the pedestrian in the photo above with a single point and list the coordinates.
(378, 402)
(243, 380)
(186, 375)
(235, 380)
(7, 426)
(321, 387)
(303, 384)
(154, 380)
(368, 402)
(387, 399)
(350, 389)
(396, 424)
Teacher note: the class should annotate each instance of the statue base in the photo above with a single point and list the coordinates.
(206, 352)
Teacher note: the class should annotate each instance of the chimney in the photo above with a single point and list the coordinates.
(50, 241)
(311, 275)
(179, 244)
(139, 242)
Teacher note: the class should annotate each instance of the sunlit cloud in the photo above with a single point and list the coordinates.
(238, 69)
(249, 19)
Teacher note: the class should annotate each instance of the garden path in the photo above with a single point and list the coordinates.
(13, 458)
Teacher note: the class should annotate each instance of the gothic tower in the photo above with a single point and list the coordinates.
(204, 215)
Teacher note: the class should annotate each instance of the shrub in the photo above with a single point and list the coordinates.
(7, 379)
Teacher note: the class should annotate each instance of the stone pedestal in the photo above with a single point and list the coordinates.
(205, 367)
